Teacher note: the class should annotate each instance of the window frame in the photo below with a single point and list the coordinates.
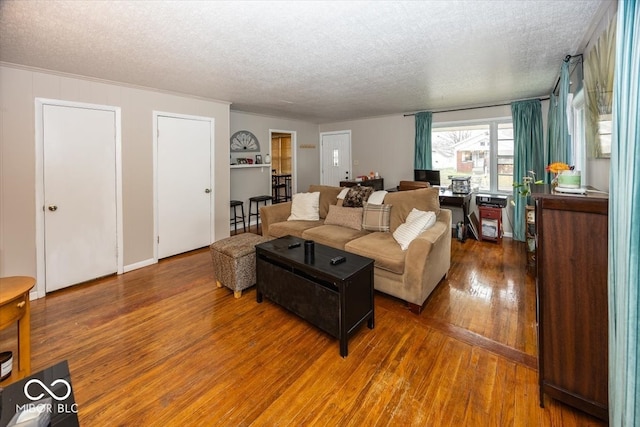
(493, 124)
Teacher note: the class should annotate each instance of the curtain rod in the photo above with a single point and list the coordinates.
(475, 108)
(566, 59)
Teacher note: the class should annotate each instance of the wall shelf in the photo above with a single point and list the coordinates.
(261, 165)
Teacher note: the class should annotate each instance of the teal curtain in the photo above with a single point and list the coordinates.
(559, 140)
(528, 154)
(624, 224)
(551, 131)
(422, 152)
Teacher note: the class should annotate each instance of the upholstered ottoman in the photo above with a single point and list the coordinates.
(234, 261)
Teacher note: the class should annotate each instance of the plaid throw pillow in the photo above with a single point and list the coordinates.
(376, 217)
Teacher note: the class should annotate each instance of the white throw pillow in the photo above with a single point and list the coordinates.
(417, 222)
(377, 197)
(343, 193)
(305, 207)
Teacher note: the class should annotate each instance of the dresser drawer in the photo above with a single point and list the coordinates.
(13, 310)
(491, 213)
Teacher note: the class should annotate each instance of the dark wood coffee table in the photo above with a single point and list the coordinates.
(335, 298)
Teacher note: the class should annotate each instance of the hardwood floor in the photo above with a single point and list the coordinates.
(163, 346)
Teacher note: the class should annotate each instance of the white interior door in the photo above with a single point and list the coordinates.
(335, 157)
(79, 194)
(184, 184)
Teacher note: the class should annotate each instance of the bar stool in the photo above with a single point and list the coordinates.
(257, 200)
(276, 187)
(287, 188)
(235, 219)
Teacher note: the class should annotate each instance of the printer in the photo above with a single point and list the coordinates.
(491, 200)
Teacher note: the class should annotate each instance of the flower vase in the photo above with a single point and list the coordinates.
(554, 182)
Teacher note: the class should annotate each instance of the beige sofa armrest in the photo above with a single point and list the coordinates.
(272, 214)
(428, 257)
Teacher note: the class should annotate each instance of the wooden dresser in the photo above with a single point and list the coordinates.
(571, 288)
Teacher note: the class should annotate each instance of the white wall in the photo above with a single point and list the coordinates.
(18, 89)
(247, 182)
(386, 144)
(380, 144)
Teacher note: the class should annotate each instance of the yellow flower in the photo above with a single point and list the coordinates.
(556, 167)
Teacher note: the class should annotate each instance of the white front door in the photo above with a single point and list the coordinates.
(79, 194)
(336, 157)
(184, 183)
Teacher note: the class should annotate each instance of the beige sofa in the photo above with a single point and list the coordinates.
(410, 275)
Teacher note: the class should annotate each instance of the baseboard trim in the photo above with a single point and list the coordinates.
(138, 265)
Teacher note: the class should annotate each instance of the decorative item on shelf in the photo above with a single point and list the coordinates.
(461, 184)
(244, 141)
(555, 168)
(569, 179)
(267, 158)
(258, 159)
(249, 161)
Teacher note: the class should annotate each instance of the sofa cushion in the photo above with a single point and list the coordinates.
(426, 199)
(346, 217)
(333, 235)
(305, 207)
(417, 222)
(376, 217)
(293, 228)
(382, 248)
(328, 196)
(356, 196)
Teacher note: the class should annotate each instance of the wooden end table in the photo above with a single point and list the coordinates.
(15, 306)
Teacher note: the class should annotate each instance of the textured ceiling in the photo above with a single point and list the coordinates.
(316, 61)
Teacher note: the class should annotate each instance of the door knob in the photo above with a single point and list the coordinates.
(53, 208)
(207, 190)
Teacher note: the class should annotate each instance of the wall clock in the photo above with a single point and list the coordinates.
(244, 141)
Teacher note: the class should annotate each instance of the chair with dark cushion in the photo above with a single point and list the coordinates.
(412, 185)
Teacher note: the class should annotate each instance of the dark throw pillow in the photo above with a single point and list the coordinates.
(356, 196)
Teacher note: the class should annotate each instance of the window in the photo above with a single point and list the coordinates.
(481, 150)
(578, 135)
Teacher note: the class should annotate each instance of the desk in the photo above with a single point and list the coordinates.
(448, 198)
(15, 306)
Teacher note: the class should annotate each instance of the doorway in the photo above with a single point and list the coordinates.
(184, 191)
(78, 193)
(335, 157)
(283, 155)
